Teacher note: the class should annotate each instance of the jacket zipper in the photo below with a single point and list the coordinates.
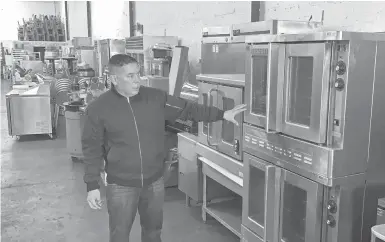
(140, 149)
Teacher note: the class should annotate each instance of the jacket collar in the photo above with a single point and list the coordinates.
(133, 98)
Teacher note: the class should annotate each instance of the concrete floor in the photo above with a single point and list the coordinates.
(43, 197)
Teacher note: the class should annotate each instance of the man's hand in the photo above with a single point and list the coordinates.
(229, 115)
(93, 199)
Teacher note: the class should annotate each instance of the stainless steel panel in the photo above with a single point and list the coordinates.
(236, 80)
(305, 98)
(216, 31)
(218, 40)
(216, 34)
(190, 174)
(223, 58)
(9, 115)
(226, 162)
(344, 209)
(272, 26)
(261, 187)
(310, 160)
(186, 145)
(300, 220)
(376, 166)
(248, 236)
(261, 86)
(320, 34)
(30, 115)
(363, 119)
(190, 178)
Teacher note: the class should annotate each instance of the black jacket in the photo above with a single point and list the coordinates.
(129, 136)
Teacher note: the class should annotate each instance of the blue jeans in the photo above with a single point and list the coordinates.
(122, 204)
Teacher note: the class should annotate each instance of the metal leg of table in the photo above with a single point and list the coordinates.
(204, 214)
(188, 201)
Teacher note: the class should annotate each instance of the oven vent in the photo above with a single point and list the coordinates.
(134, 43)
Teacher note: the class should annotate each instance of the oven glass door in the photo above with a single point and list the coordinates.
(208, 95)
(305, 90)
(300, 209)
(260, 197)
(261, 85)
(230, 142)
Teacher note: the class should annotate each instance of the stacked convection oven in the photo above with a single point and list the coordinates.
(307, 164)
(312, 136)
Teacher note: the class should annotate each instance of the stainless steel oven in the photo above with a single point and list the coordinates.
(288, 87)
(223, 48)
(312, 136)
(280, 205)
(224, 92)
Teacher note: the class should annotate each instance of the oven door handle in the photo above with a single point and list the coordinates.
(270, 197)
(208, 124)
(268, 92)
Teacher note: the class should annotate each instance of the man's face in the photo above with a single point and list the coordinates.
(126, 79)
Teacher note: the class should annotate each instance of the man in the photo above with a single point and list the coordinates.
(125, 127)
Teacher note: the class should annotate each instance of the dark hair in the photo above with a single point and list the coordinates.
(121, 60)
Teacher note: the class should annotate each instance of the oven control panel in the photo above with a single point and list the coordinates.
(256, 143)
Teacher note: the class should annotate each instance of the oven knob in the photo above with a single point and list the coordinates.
(339, 84)
(331, 221)
(341, 68)
(332, 206)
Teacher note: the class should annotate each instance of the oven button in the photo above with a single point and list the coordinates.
(341, 68)
(339, 84)
(331, 221)
(332, 206)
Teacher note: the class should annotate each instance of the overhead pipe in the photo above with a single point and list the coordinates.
(131, 7)
(257, 11)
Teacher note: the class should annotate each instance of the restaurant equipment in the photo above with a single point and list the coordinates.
(30, 111)
(224, 92)
(219, 150)
(142, 49)
(221, 84)
(179, 70)
(74, 115)
(190, 180)
(161, 60)
(313, 136)
(223, 47)
(104, 50)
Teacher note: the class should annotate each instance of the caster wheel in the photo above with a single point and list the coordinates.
(17, 137)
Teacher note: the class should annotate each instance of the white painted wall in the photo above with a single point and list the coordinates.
(110, 19)
(13, 11)
(186, 20)
(354, 16)
(77, 19)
